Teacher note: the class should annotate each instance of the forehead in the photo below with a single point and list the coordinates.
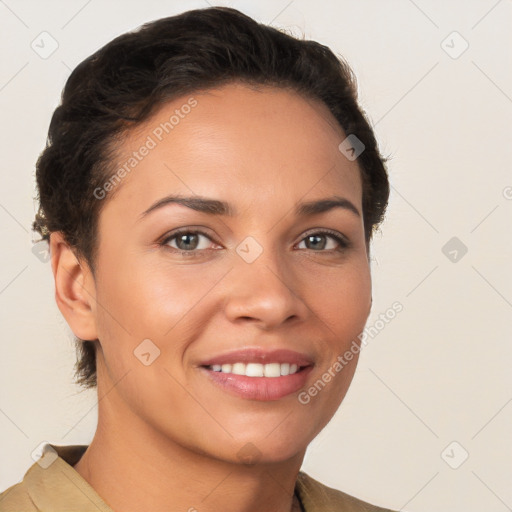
(253, 144)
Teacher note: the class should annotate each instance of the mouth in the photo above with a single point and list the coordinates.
(259, 375)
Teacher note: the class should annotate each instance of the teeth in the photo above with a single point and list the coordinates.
(238, 369)
(257, 369)
(271, 369)
(254, 370)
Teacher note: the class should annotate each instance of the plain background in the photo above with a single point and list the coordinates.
(439, 372)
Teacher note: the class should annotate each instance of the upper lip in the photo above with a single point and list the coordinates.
(258, 355)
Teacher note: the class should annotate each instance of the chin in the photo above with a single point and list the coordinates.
(267, 446)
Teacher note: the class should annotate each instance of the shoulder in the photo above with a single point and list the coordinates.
(317, 497)
(16, 499)
(51, 483)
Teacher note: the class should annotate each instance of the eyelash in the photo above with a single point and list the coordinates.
(343, 243)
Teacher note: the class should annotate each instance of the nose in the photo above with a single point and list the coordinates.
(265, 292)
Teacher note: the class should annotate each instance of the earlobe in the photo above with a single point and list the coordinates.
(74, 288)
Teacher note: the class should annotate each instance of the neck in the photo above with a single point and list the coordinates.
(133, 467)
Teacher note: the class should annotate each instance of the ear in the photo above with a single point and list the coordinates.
(75, 292)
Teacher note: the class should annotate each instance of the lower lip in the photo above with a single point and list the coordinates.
(260, 388)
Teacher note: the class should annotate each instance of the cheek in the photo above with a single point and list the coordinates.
(344, 307)
(140, 300)
(145, 299)
(345, 300)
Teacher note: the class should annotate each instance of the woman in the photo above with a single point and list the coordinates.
(209, 192)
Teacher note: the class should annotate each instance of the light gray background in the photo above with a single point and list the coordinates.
(437, 373)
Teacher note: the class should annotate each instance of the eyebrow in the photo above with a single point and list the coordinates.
(217, 207)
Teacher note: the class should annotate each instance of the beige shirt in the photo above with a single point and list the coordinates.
(60, 488)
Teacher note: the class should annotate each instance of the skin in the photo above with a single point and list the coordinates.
(173, 437)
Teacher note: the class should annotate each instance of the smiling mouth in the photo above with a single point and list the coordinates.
(257, 374)
(257, 381)
(270, 370)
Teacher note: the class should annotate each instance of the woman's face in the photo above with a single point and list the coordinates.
(261, 284)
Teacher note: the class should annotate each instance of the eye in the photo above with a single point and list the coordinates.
(187, 241)
(316, 241)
